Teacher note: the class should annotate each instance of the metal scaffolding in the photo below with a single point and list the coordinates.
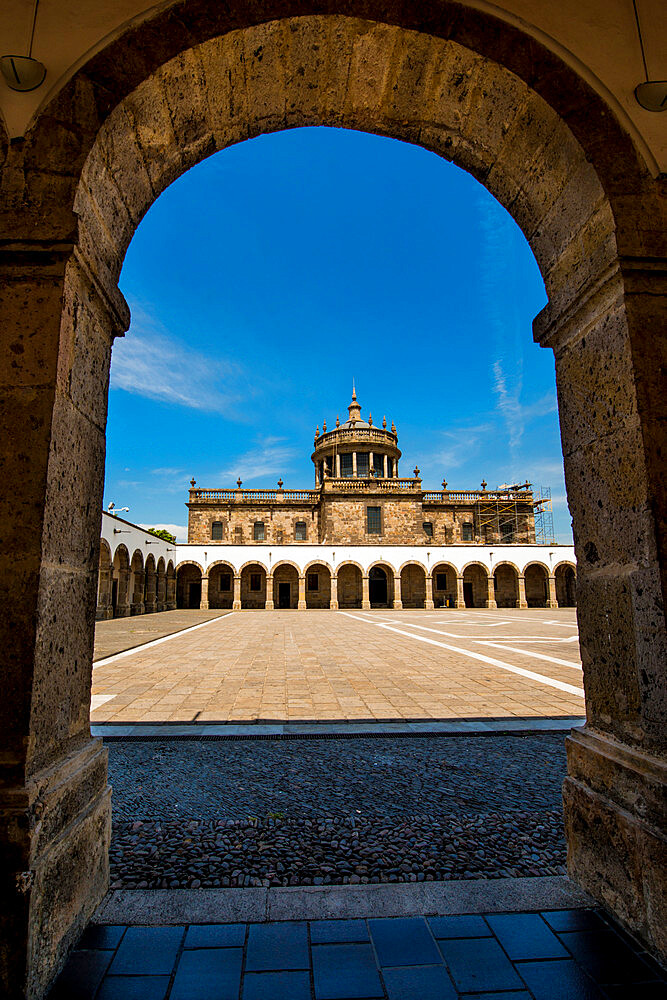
(544, 516)
(502, 515)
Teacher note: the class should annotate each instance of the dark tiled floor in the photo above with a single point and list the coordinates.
(558, 955)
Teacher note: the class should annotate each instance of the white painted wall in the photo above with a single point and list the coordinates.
(116, 531)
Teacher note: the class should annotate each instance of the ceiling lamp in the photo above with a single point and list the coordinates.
(652, 95)
(23, 72)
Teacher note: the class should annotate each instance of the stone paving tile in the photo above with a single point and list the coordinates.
(472, 967)
(290, 665)
(119, 634)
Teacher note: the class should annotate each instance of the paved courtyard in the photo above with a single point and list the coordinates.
(341, 665)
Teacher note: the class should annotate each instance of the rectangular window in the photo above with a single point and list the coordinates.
(225, 581)
(441, 581)
(300, 531)
(258, 531)
(362, 464)
(428, 528)
(255, 581)
(216, 531)
(373, 521)
(466, 531)
(346, 465)
(313, 581)
(507, 532)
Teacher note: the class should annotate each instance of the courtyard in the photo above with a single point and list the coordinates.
(344, 666)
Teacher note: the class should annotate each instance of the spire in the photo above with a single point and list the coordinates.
(354, 409)
(370, 419)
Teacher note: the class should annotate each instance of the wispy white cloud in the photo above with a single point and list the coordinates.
(149, 362)
(270, 457)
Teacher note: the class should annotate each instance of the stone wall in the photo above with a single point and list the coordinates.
(238, 523)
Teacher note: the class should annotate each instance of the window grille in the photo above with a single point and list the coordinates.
(362, 464)
(428, 528)
(255, 581)
(216, 531)
(346, 465)
(374, 521)
(300, 531)
(441, 581)
(466, 531)
(313, 581)
(258, 531)
(225, 581)
(507, 532)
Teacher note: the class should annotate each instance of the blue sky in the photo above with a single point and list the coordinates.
(268, 277)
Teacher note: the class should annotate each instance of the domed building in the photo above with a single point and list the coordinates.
(359, 499)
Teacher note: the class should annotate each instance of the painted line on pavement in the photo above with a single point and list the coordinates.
(528, 652)
(456, 635)
(156, 642)
(540, 678)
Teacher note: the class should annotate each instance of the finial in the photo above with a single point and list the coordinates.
(384, 423)
(416, 472)
(444, 484)
(393, 427)
(193, 482)
(354, 392)
(280, 484)
(239, 482)
(317, 431)
(484, 484)
(370, 419)
(337, 421)
(324, 426)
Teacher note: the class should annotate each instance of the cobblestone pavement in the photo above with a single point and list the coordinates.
(548, 955)
(328, 665)
(317, 812)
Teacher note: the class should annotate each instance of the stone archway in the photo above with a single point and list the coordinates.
(189, 586)
(253, 586)
(506, 585)
(565, 576)
(537, 585)
(349, 579)
(476, 586)
(318, 585)
(141, 111)
(221, 585)
(413, 585)
(120, 583)
(444, 577)
(285, 587)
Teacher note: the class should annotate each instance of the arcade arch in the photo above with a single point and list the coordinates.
(477, 586)
(565, 577)
(286, 579)
(575, 183)
(318, 590)
(349, 579)
(150, 589)
(536, 576)
(221, 585)
(104, 582)
(253, 586)
(378, 586)
(445, 589)
(413, 585)
(120, 583)
(161, 585)
(189, 585)
(506, 585)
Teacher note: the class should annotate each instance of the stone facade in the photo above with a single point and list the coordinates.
(356, 468)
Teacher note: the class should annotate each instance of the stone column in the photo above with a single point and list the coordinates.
(552, 600)
(337, 465)
(429, 593)
(398, 603)
(365, 597)
(203, 603)
(150, 603)
(354, 464)
(522, 602)
(137, 607)
(55, 801)
(490, 601)
(268, 603)
(460, 599)
(236, 603)
(104, 607)
(612, 411)
(161, 591)
(333, 600)
(385, 466)
(123, 609)
(301, 606)
(171, 592)
(371, 464)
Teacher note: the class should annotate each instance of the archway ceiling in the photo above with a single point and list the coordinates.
(597, 38)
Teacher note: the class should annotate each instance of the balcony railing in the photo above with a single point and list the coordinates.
(357, 484)
(339, 435)
(476, 496)
(254, 496)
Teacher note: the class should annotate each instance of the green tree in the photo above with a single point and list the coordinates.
(161, 533)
